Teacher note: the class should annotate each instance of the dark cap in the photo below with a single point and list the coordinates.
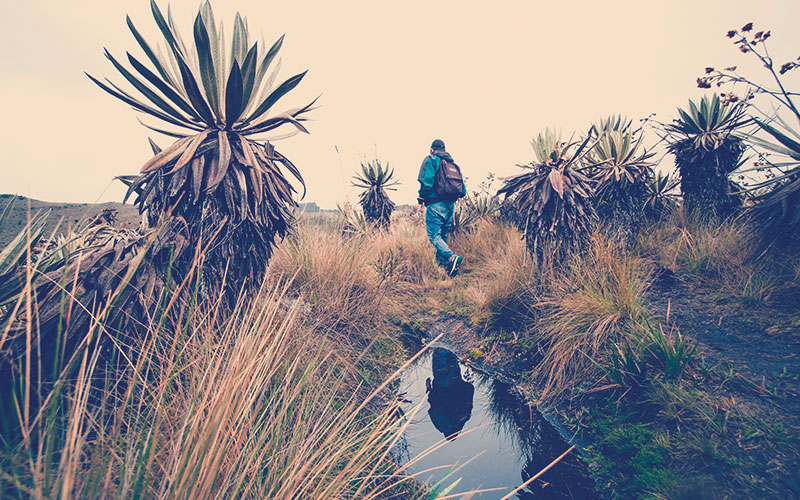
(437, 144)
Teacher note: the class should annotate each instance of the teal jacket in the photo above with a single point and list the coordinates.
(427, 174)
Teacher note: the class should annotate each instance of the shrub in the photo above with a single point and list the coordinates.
(216, 176)
(374, 179)
(554, 199)
(660, 200)
(728, 256)
(621, 173)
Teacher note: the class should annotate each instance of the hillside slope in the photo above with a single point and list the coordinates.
(62, 215)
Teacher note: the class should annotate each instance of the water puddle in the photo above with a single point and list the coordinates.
(464, 414)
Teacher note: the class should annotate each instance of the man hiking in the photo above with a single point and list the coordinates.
(440, 185)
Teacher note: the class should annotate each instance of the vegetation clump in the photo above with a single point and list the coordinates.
(707, 150)
(555, 199)
(214, 201)
(216, 176)
(375, 179)
(660, 198)
(621, 172)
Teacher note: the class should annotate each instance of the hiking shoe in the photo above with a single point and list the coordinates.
(455, 264)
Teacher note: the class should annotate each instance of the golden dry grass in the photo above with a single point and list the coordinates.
(502, 274)
(352, 282)
(265, 401)
(728, 256)
(587, 308)
(252, 406)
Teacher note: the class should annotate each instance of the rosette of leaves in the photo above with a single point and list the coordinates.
(471, 209)
(555, 198)
(619, 167)
(219, 100)
(99, 275)
(353, 221)
(483, 206)
(660, 198)
(375, 179)
(777, 212)
(12, 258)
(464, 218)
(707, 150)
(617, 123)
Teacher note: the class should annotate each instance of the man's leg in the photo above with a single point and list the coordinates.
(448, 221)
(435, 219)
(454, 262)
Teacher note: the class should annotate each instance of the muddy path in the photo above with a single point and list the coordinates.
(752, 354)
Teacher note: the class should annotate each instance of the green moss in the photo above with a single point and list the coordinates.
(457, 305)
(633, 459)
(414, 326)
(475, 354)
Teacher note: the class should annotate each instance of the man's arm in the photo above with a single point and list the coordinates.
(427, 174)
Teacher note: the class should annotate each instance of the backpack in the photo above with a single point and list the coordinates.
(448, 183)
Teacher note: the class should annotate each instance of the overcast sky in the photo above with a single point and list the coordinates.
(485, 77)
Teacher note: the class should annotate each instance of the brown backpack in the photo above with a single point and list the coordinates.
(448, 183)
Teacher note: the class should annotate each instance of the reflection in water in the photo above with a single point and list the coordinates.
(534, 437)
(480, 415)
(450, 396)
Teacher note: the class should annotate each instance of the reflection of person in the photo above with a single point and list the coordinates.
(449, 395)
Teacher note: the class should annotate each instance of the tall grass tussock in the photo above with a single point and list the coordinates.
(503, 273)
(351, 280)
(591, 308)
(728, 255)
(588, 320)
(203, 403)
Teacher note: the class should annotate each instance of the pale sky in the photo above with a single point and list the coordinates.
(485, 77)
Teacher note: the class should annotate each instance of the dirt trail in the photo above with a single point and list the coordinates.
(754, 355)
